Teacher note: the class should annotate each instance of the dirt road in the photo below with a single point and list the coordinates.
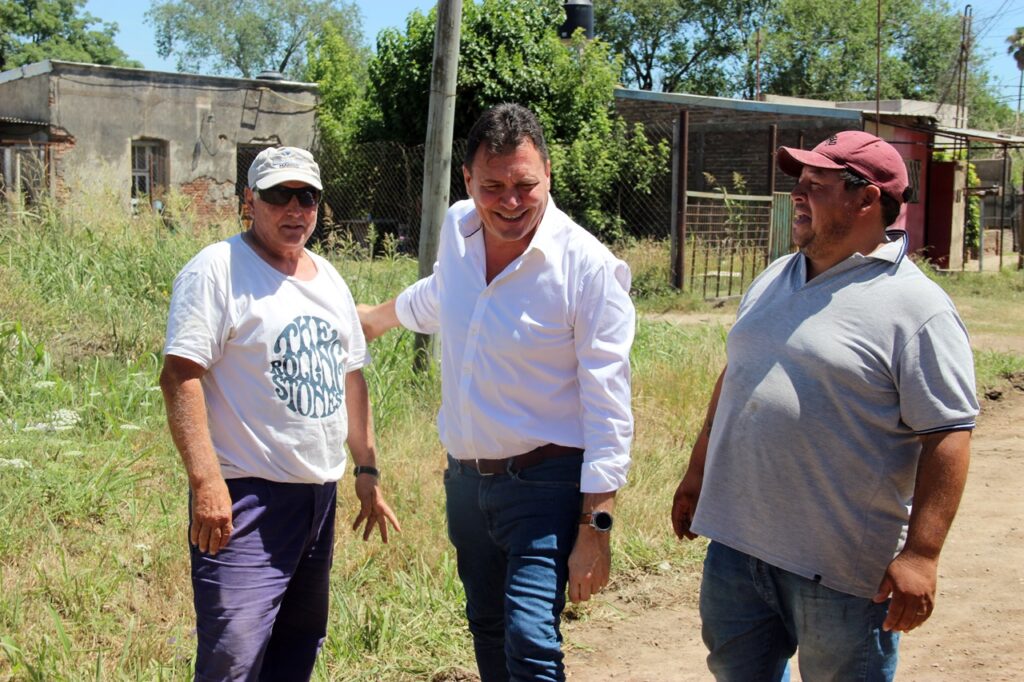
(650, 631)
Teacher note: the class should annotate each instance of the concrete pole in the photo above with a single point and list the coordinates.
(437, 160)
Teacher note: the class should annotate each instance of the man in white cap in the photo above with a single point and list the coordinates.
(835, 448)
(263, 384)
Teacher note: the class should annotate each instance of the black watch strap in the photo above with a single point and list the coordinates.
(365, 470)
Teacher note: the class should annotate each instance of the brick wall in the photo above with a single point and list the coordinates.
(56, 151)
(210, 199)
(724, 141)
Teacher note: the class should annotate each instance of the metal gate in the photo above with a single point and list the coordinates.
(727, 241)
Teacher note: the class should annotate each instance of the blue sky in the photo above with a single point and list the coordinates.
(136, 37)
(994, 20)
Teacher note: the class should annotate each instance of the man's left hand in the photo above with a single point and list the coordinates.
(911, 579)
(373, 509)
(589, 564)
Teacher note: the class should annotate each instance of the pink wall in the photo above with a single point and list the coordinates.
(912, 145)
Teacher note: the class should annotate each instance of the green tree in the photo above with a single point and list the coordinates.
(510, 52)
(826, 49)
(679, 45)
(1016, 49)
(33, 30)
(338, 66)
(245, 37)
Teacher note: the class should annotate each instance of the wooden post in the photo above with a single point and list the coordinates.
(437, 161)
(1002, 203)
(680, 157)
(773, 145)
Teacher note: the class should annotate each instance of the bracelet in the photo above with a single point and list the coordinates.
(365, 470)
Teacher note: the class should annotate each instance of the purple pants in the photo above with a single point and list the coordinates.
(261, 602)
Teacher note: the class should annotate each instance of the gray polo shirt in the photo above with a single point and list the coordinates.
(814, 448)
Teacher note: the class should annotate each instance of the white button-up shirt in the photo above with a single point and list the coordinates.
(540, 355)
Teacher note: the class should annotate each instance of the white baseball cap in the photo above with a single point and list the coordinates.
(276, 165)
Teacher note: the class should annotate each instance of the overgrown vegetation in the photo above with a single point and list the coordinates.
(509, 52)
(93, 562)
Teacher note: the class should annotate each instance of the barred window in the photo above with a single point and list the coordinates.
(149, 170)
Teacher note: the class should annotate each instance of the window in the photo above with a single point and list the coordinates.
(149, 171)
(914, 175)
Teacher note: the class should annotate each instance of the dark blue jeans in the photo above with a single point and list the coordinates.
(261, 602)
(754, 616)
(513, 534)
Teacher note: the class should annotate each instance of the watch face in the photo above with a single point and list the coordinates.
(602, 521)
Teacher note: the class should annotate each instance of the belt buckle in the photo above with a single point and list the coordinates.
(480, 470)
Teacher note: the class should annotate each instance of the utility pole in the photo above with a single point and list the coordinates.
(757, 69)
(878, 66)
(437, 161)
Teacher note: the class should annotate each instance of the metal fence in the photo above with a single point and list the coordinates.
(376, 190)
(728, 241)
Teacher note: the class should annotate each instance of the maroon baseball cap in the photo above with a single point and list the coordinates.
(868, 156)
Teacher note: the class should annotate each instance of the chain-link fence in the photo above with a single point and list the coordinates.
(373, 195)
(375, 191)
(647, 213)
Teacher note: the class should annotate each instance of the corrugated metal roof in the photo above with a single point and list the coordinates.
(21, 121)
(683, 99)
(982, 135)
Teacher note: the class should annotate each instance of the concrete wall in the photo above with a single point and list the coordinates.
(25, 93)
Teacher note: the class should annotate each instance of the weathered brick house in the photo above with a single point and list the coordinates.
(138, 133)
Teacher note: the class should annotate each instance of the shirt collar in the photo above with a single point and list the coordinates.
(544, 238)
(893, 250)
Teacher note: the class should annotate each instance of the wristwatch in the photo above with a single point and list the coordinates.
(600, 521)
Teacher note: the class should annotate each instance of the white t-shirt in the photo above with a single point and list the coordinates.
(277, 350)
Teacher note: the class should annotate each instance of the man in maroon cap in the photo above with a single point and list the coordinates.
(835, 448)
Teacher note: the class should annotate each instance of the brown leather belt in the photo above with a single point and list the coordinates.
(489, 467)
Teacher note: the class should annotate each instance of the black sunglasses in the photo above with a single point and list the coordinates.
(281, 196)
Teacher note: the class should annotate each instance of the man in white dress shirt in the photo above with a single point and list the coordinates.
(536, 326)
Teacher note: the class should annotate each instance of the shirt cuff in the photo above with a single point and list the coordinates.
(604, 473)
(403, 310)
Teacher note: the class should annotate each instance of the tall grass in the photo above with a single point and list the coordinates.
(94, 577)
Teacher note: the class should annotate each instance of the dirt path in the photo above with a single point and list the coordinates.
(650, 631)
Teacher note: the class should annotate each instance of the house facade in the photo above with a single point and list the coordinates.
(140, 134)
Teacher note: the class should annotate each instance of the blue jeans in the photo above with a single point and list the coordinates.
(754, 616)
(513, 534)
(261, 601)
